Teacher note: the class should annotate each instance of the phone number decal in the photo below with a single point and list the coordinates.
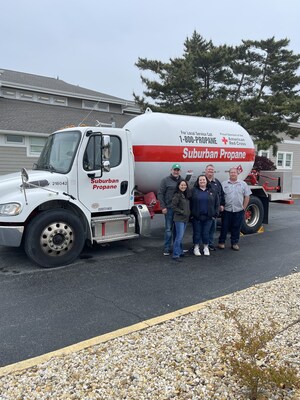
(198, 139)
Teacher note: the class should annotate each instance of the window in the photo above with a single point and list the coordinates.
(95, 105)
(264, 153)
(103, 107)
(284, 160)
(60, 101)
(9, 93)
(92, 155)
(89, 104)
(26, 96)
(59, 152)
(115, 151)
(36, 145)
(14, 139)
(37, 97)
(43, 99)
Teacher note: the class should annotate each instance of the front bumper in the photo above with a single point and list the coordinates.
(11, 235)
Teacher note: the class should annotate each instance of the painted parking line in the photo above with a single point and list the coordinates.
(32, 362)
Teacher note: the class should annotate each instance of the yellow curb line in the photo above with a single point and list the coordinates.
(32, 362)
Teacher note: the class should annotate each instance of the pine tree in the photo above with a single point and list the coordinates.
(255, 84)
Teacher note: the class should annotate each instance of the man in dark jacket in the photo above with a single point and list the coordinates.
(165, 195)
(217, 186)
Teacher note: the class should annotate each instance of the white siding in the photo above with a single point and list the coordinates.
(12, 159)
(291, 146)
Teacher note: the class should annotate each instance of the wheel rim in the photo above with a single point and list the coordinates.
(252, 215)
(57, 239)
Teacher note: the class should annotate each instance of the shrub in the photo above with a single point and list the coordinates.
(263, 164)
(247, 358)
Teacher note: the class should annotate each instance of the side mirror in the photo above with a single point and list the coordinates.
(106, 166)
(24, 175)
(106, 147)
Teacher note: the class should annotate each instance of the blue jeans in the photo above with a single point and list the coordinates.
(177, 247)
(231, 221)
(212, 231)
(201, 231)
(168, 229)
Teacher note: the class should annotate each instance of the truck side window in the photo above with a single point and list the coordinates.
(92, 155)
(116, 151)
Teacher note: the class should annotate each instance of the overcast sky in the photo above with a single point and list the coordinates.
(95, 43)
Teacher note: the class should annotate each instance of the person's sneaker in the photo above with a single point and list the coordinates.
(212, 247)
(166, 253)
(206, 251)
(235, 247)
(221, 246)
(197, 251)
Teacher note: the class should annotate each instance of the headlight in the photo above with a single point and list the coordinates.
(10, 209)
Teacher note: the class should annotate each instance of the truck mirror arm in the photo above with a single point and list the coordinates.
(67, 194)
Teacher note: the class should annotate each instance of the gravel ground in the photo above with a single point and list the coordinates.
(182, 358)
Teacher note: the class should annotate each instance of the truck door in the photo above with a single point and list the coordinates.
(109, 191)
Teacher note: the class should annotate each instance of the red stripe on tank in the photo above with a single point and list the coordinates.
(183, 154)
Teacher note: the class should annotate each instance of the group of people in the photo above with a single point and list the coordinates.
(202, 205)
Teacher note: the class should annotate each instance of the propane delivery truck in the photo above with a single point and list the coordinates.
(96, 185)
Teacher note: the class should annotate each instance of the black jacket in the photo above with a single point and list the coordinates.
(217, 185)
(166, 191)
(181, 207)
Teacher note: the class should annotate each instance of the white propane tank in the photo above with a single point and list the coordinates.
(160, 140)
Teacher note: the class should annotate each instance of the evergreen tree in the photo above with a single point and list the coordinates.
(255, 84)
(269, 100)
(188, 85)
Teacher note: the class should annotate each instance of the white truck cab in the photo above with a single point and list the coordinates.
(81, 189)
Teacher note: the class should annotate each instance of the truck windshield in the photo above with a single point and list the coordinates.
(59, 152)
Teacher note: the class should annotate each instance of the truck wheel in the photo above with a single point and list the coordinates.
(254, 216)
(54, 238)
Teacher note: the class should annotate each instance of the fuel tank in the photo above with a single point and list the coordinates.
(160, 140)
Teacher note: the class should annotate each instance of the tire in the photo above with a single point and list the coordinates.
(254, 216)
(54, 238)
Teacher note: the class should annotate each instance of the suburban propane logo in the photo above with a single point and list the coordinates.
(216, 154)
(104, 184)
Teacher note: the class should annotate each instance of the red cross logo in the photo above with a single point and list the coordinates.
(224, 140)
(239, 169)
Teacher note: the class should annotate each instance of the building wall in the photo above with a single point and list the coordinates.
(12, 159)
(32, 106)
(291, 146)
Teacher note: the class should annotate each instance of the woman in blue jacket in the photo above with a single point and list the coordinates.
(204, 208)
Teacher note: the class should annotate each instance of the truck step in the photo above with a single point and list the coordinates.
(114, 238)
(111, 218)
(110, 228)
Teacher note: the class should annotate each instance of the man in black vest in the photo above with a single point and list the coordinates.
(217, 186)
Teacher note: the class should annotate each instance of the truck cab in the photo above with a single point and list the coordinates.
(80, 190)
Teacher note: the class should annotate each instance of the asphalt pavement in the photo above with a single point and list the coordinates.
(123, 283)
